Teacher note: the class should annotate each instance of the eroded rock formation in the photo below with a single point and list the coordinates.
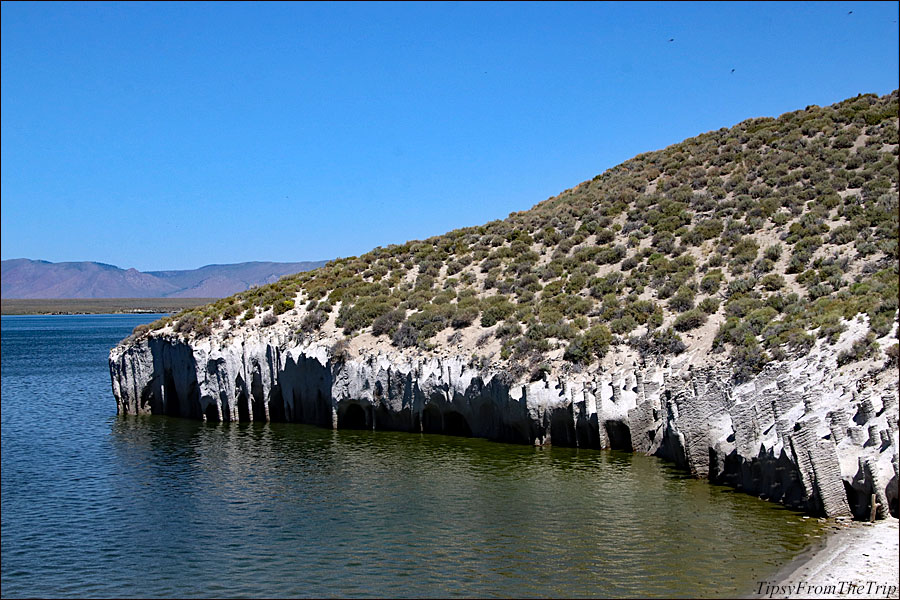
(802, 433)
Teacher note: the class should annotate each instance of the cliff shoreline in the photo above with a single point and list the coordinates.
(805, 433)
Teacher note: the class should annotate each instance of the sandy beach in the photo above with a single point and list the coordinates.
(856, 560)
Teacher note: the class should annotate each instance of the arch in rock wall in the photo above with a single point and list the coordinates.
(211, 414)
(619, 435)
(352, 416)
(244, 410)
(171, 402)
(194, 407)
(456, 424)
(402, 420)
(276, 405)
(432, 420)
(562, 429)
(587, 432)
(257, 395)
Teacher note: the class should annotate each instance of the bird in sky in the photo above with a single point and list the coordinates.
(732, 70)
(850, 13)
(671, 39)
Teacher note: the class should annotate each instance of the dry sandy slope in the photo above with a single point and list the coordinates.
(866, 555)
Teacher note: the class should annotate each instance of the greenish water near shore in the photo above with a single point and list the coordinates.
(98, 505)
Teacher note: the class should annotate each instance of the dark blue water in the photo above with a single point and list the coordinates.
(97, 505)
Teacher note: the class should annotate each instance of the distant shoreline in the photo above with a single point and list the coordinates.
(95, 306)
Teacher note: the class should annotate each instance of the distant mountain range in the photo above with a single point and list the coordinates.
(25, 278)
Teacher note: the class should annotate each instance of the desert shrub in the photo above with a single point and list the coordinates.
(707, 229)
(431, 319)
(575, 283)
(269, 319)
(387, 323)
(630, 263)
(830, 327)
(464, 316)
(744, 251)
(282, 307)
(141, 330)
(406, 336)
(231, 312)
(709, 305)
(759, 318)
(495, 308)
(601, 286)
(643, 311)
(740, 286)
(623, 325)
(893, 356)
(353, 317)
(663, 242)
(592, 344)
(658, 342)
(843, 234)
(683, 299)
(612, 255)
(763, 265)
(193, 322)
(313, 321)
(711, 281)
(772, 282)
(690, 320)
(741, 305)
(747, 359)
(861, 349)
(508, 329)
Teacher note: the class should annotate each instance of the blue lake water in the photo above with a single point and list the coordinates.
(99, 505)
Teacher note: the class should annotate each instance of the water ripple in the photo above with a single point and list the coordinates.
(96, 505)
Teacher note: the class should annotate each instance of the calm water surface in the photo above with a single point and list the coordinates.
(98, 505)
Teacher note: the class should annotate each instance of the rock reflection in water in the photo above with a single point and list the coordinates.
(294, 509)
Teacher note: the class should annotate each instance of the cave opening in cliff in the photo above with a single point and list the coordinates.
(587, 433)
(383, 418)
(352, 416)
(276, 405)
(196, 411)
(562, 429)
(257, 397)
(170, 396)
(211, 413)
(619, 435)
(243, 400)
(432, 422)
(456, 424)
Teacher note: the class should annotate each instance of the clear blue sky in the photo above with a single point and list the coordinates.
(163, 135)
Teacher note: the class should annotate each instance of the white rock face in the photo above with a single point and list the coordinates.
(804, 433)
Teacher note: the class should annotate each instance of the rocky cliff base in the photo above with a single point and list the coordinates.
(805, 433)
